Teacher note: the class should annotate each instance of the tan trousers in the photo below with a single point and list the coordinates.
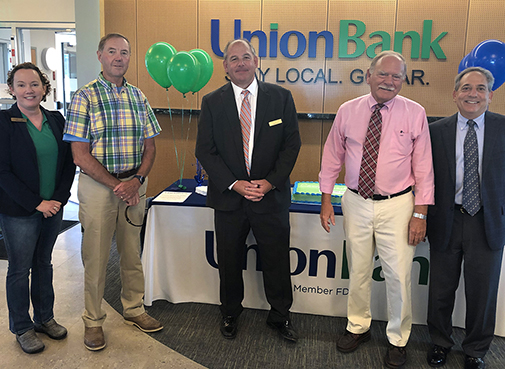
(381, 225)
(102, 214)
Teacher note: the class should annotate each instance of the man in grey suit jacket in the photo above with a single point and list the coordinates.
(249, 187)
(457, 235)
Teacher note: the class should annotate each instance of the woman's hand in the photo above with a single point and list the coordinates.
(49, 207)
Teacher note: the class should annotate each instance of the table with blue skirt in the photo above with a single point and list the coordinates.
(180, 263)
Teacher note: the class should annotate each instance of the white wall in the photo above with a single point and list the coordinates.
(41, 39)
(87, 32)
(37, 11)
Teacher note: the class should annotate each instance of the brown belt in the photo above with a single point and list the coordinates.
(385, 197)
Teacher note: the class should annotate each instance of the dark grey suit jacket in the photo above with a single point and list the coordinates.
(440, 215)
(276, 147)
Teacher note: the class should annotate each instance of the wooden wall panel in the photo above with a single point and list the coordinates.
(121, 17)
(174, 22)
(302, 16)
(377, 15)
(248, 11)
(486, 20)
(309, 160)
(449, 16)
(186, 24)
(166, 170)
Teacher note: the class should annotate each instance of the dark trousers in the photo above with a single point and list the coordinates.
(272, 233)
(481, 271)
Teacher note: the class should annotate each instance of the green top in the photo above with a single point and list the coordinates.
(47, 155)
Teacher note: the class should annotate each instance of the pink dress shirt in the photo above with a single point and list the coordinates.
(405, 148)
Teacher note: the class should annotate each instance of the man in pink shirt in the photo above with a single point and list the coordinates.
(387, 217)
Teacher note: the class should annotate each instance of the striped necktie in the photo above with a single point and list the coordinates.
(245, 123)
(366, 182)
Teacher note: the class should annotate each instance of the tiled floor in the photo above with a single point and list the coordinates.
(127, 347)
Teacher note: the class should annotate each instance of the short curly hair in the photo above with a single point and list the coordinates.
(43, 78)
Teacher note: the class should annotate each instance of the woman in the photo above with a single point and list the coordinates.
(36, 173)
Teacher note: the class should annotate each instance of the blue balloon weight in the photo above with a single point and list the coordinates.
(490, 55)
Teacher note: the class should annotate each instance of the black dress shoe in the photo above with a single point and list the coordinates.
(349, 342)
(229, 327)
(285, 329)
(437, 355)
(474, 362)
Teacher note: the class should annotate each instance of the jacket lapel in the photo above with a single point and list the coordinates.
(449, 143)
(261, 108)
(490, 135)
(230, 107)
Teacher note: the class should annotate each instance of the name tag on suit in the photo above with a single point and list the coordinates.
(274, 122)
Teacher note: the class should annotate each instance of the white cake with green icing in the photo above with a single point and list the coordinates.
(309, 193)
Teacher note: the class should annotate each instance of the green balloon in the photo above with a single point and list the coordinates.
(183, 71)
(157, 60)
(206, 68)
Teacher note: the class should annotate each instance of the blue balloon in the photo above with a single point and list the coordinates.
(464, 63)
(490, 55)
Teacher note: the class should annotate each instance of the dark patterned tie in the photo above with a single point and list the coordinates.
(245, 123)
(471, 182)
(366, 182)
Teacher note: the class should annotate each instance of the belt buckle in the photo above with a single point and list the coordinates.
(463, 211)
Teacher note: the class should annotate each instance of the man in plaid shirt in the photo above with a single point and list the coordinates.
(111, 128)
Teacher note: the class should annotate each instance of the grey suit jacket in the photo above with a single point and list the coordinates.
(440, 215)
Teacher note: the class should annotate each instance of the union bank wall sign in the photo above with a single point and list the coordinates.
(352, 35)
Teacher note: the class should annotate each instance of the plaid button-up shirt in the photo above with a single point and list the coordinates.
(115, 121)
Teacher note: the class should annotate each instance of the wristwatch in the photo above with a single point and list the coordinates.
(419, 215)
(140, 178)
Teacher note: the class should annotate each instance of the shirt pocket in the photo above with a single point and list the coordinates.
(401, 143)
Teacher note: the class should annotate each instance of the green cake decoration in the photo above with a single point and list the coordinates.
(309, 193)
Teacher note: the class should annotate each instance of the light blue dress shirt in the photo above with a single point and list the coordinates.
(461, 130)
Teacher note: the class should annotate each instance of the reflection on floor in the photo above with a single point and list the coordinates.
(127, 347)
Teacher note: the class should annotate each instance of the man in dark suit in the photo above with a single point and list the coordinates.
(467, 223)
(248, 142)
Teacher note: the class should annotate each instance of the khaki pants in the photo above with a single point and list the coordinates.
(381, 225)
(102, 214)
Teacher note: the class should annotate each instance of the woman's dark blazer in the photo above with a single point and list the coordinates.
(19, 172)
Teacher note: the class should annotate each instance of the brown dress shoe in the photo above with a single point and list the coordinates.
(94, 339)
(396, 357)
(349, 342)
(145, 323)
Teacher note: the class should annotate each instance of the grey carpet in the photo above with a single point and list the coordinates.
(192, 329)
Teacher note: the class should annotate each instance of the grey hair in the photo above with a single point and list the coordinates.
(484, 72)
(385, 53)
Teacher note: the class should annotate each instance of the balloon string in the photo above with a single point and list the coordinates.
(187, 135)
(173, 131)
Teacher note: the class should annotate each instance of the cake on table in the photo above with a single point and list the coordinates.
(309, 193)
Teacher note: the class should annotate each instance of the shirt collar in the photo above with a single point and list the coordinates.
(109, 84)
(252, 88)
(479, 121)
(371, 103)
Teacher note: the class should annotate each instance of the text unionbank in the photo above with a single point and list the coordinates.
(421, 44)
